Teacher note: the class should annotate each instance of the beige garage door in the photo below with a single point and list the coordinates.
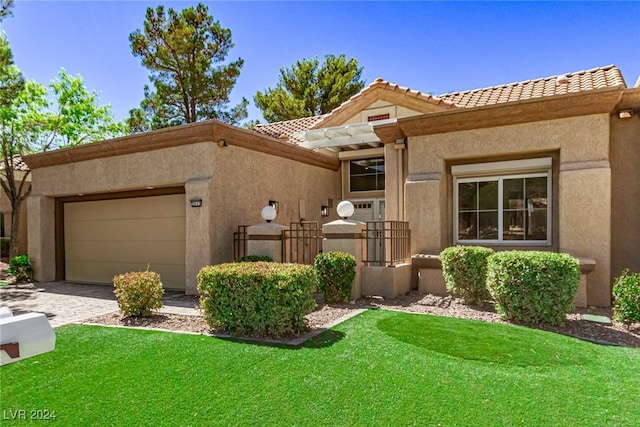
(108, 237)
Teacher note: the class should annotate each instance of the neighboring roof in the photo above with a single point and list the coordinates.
(285, 129)
(17, 163)
(595, 78)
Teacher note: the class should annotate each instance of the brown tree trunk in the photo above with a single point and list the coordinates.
(16, 206)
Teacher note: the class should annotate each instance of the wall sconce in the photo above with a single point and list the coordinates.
(625, 114)
(324, 210)
(222, 143)
(268, 213)
(275, 205)
(196, 203)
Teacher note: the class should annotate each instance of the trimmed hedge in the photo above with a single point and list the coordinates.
(21, 268)
(335, 272)
(626, 293)
(533, 286)
(465, 272)
(254, 258)
(138, 293)
(257, 298)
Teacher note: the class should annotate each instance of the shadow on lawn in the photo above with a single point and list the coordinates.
(327, 338)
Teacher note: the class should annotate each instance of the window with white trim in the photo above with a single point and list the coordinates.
(503, 202)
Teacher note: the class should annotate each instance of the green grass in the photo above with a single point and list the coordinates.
(380, 368)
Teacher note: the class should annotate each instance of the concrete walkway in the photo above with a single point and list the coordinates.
(65, 302)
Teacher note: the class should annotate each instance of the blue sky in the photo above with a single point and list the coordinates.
(433, 47)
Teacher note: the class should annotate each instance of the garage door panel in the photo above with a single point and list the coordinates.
(113, 251)
(171, 276)
(109, 237)
(151, 229)
(142, 207)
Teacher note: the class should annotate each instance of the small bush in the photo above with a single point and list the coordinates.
(532, 286)
(20, 266)
(138, 293)
(257, 298)
(254, 258)
(626, 293)
(465, 272)
(335, 272)
(5, 244)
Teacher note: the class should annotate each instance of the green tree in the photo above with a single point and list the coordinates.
(34, 119)
(185, 53)
(309, 88)
(5, 8)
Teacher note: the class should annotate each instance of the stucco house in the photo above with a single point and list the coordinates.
(20, 171)
(548, 164)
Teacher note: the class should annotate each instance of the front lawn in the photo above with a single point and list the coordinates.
(381, 367)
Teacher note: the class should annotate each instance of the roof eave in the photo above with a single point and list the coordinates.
(531, 110)
(205, 131)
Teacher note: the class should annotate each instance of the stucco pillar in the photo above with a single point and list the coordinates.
(42, 237)
(423, 207)
(346, 236)
(265, 240)
(200, 230)
(585, 224)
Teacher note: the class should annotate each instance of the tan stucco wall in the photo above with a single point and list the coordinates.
(625, 197)
(245, 182)
(234, 184)
(381, 107)
(584, 223)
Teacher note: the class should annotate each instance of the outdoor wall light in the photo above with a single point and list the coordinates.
(625, 114)
(324, 210)
(268, 213)
(196, 203)
(222, 143)
(275, 205)
(345, 209)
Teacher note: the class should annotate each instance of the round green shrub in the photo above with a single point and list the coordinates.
(335, 272)
(465, 272)
(138, 293)
(21, 268)
(265, 299)
(626, 294)
(533, 286)
(254, 258)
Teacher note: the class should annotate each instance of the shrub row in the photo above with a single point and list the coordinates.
(335, 272)
(257, 298)
(529, 286)
(626, 293)
(21, 268)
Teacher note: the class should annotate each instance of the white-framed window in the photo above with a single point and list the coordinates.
(503, 202)
(366, 174)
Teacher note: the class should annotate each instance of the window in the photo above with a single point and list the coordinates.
(366, 174)
(507, 208)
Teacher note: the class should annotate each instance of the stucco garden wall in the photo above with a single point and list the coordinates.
(584, 187)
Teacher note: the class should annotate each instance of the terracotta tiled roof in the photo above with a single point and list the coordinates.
(596, 78)
(284, 129)
(17, 163)
(380, 83)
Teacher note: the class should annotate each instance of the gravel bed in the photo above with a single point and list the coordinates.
(325, 314)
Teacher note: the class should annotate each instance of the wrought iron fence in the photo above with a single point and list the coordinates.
(301, 242)
(240, 242)
(386, 243)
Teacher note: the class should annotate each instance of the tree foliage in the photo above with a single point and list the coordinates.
(185, 53)
(34, 118)
(309, 88)
(5, 8)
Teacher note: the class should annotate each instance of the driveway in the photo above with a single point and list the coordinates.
(65, 302)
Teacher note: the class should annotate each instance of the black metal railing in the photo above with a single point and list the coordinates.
(240, 242)
(386, 243)
(301, 242)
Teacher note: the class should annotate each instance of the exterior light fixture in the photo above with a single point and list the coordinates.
(345, 209)
(625, 114)
(562, 79)
(324, 210)
(222, 143)
(196, 203)
(268, 213)
(275, 205)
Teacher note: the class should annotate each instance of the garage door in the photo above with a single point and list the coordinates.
(109, 237)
